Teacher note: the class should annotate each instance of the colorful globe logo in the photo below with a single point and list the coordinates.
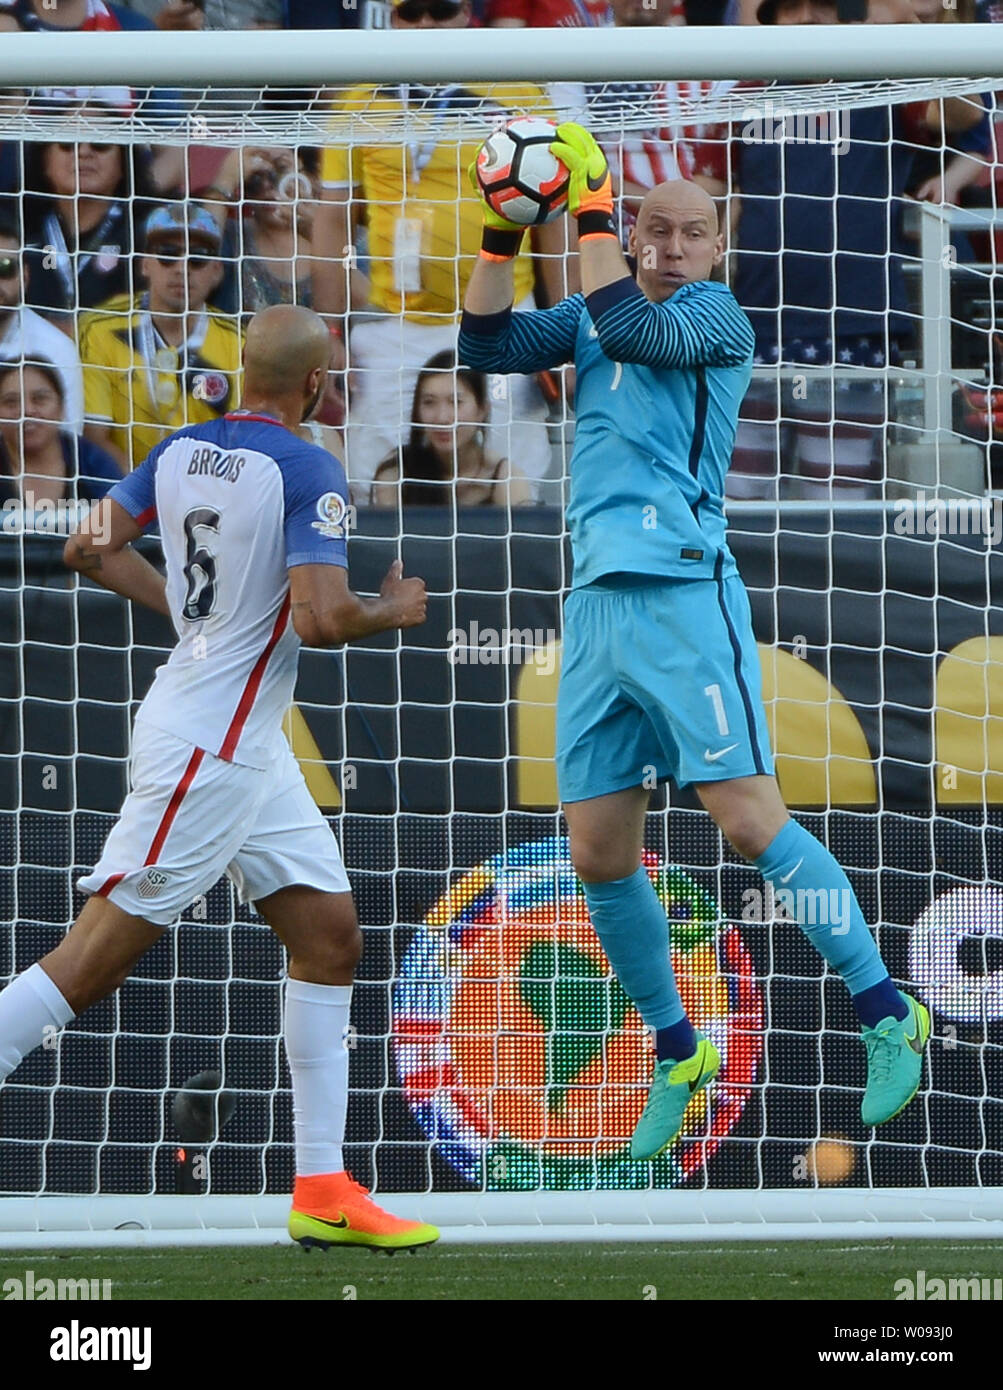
(520, 1056)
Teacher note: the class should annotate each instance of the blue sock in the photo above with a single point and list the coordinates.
(804, 878)
(631, 923)
(878, 1002)
(678, 1041)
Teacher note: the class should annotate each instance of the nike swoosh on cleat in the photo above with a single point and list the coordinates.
(694, 1085)
(340, 1225)
(916, 1041)
(713, 757)
(784, 877)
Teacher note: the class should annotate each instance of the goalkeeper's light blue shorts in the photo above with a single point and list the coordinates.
(659, 678)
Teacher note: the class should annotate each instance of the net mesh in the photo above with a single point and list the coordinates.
(491, 1050)
(276, 115)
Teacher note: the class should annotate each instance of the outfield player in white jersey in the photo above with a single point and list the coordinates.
(252, 521)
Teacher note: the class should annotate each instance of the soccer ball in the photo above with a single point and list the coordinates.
(519, 177)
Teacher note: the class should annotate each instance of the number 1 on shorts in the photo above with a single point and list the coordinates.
(714, 691)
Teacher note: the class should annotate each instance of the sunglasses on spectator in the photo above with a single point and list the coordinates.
(412, 11)
(85, 145)
(194, 262)
(10, 266)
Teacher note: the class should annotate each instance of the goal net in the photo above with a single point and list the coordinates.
(492, 1054)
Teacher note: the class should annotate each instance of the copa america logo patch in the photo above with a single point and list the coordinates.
(331, 509)
(151, 883)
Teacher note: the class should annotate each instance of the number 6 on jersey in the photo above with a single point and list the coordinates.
(200, 564)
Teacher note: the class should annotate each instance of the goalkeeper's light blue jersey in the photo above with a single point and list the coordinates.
(657, 396)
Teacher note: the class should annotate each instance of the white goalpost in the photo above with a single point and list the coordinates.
(495, 1073)
(872, 53)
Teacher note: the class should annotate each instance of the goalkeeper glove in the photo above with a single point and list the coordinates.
(590, 192)
(501, 239)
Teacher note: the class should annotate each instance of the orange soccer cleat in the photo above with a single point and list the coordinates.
(332, 1209)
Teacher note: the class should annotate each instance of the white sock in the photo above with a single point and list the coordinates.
(29, 1006)
(316, 1017)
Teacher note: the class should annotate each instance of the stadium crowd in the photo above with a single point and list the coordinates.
(127, 272)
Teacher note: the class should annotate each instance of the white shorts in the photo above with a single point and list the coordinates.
(190, 818)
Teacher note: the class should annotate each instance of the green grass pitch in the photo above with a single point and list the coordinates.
(814, 1271)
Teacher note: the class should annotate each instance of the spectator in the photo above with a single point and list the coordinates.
(278, 190)
(935, 12)
(957, 130)
(89, 16)
(25, 335)
(82, 15)
(638, 159)
(40, 460)
(211, 14)
(549, 14)
(700, 13)
(872, 12)
(172, 15)
(167, 362)
(323, 426)
(81, 206)
(163, 166)
(445, 458)
(424, 229)
(322, 14)
(14, 102)
(820, 290)
(11, 151)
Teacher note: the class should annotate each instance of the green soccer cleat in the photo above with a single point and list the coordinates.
(894, 1062)
(672, 1088)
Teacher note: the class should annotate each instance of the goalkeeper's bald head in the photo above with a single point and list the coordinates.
(676, 238)
(681, 196)
(287, 353)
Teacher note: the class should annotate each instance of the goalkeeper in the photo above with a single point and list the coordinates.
(660, 668)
